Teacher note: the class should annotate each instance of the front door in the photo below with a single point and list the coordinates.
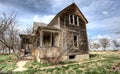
(28, 49)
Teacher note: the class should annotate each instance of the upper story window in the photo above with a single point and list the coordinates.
(73, 19)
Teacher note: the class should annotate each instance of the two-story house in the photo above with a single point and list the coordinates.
(67, 32)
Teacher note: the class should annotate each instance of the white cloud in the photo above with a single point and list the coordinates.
(45, 19)
(105, 12)
(111, 24)
(36, 18)
(108, 25)
(101, 36)
(108, 36)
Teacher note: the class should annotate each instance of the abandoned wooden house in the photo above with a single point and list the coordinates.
(66, 32)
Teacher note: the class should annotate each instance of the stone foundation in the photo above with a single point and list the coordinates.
(76, 58)
(49, 52)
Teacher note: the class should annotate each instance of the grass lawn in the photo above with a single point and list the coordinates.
(109, 65)
(7, 63)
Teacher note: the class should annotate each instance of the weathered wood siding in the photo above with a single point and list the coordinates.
(73, 29)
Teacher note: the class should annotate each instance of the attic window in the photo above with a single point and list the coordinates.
(73, 19)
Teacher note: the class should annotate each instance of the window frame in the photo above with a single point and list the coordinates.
(75, 44)
(74, 20)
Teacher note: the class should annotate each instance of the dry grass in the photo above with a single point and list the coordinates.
(109, 65)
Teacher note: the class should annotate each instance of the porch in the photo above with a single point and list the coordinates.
(44, 37)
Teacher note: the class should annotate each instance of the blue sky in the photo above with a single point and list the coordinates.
(103, 15)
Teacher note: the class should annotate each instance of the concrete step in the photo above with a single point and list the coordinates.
(28, 58)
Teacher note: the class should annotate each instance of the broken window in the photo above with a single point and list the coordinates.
(73, 19)
(75, 40)
(50, 39)
(54, 39)
(46, 39)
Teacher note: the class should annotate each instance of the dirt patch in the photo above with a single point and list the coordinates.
(20, 65)
(116, 67)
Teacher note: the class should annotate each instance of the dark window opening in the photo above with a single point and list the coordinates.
(53, 40)
(46, 39)
(27, 40)
(71, 19)
(75, 18)
(75, 40)
(72, 57)
(50, 39)
(38, 42)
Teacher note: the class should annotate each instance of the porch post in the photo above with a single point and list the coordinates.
(41, 38)
(58, 40)
(58, 22)
(50, 38)
(21, 43)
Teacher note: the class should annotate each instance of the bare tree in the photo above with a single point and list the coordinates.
(104, 42)
(116, 44)
(8, 32)
(2, 48)
(90, 42)
(28, 30)
(95, 45)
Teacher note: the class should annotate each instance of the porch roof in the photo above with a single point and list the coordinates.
(26, 35)
(48, 28)
(29, 38)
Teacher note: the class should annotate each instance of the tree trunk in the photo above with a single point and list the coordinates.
(9, 50)
(3, 51)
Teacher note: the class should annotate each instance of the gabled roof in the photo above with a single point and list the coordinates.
(68, 7)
